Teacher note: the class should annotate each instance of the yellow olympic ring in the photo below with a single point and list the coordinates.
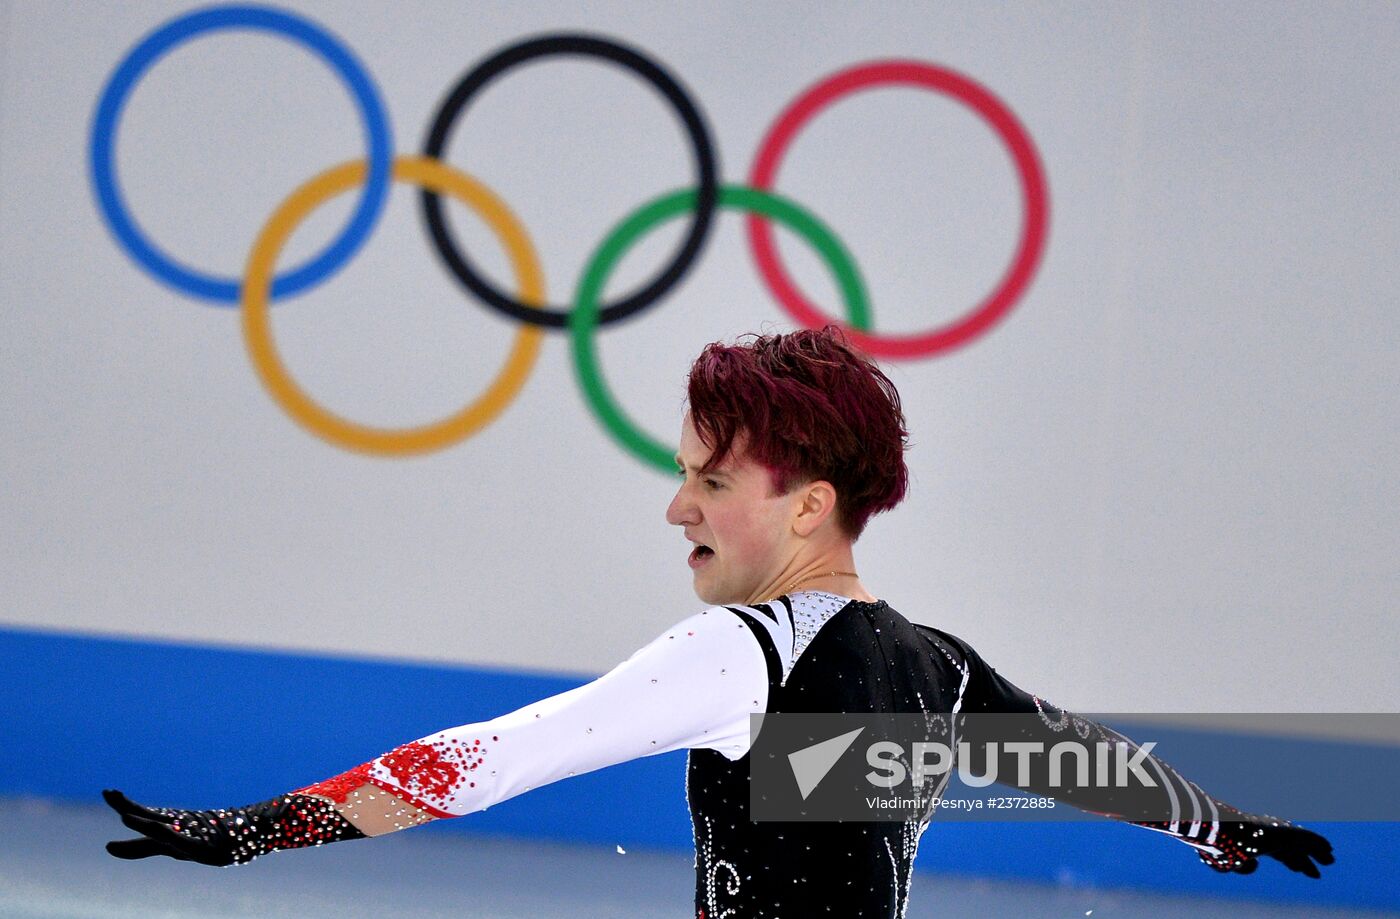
(257, 332)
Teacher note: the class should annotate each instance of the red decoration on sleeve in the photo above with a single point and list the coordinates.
(421, 769)
(338, 787)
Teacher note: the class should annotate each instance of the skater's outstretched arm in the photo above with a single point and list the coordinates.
(1225, 838)
(694, 686)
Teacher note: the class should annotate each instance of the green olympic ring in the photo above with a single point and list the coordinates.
(583, 318)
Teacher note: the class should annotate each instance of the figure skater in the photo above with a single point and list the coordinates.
(789, 445)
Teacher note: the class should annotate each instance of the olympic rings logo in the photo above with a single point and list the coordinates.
(582, 317)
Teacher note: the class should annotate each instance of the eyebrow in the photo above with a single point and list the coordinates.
(680, 465)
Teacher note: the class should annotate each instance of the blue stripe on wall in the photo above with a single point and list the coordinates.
(196, 726)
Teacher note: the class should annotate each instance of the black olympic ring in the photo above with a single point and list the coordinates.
(707, 180)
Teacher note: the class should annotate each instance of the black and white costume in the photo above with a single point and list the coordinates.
(694, 688)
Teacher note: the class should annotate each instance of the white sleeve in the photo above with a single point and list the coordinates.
(693, 687)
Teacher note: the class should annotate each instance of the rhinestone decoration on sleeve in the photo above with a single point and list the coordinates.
(242, 834)
(437, 774)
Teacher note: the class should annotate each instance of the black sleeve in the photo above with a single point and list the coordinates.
(1226, 838)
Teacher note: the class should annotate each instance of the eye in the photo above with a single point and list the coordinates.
(713, 485)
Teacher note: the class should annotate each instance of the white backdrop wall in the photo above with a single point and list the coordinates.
(1166, 482)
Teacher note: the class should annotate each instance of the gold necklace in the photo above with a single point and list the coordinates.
(813, 577)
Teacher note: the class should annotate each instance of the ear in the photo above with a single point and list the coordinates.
(816, 502)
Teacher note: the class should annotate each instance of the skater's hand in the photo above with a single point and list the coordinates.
(190, 836)
(1243, 843)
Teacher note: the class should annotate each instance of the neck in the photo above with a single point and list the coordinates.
(833, 572)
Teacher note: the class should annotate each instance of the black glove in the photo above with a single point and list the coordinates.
(1241, 838)
(1245, 837)
(228, 837)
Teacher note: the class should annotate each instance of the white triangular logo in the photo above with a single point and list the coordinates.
(811, 764)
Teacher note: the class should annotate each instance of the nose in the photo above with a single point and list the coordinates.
(682, 510)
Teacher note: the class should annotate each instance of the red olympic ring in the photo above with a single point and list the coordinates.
(1035, 200)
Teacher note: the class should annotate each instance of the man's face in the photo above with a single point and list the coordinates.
(741, 531)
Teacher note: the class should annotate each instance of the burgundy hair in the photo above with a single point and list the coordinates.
(808, 406)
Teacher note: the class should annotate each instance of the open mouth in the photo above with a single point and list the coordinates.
(700, 555)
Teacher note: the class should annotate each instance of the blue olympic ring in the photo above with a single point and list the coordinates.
(225, 291)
